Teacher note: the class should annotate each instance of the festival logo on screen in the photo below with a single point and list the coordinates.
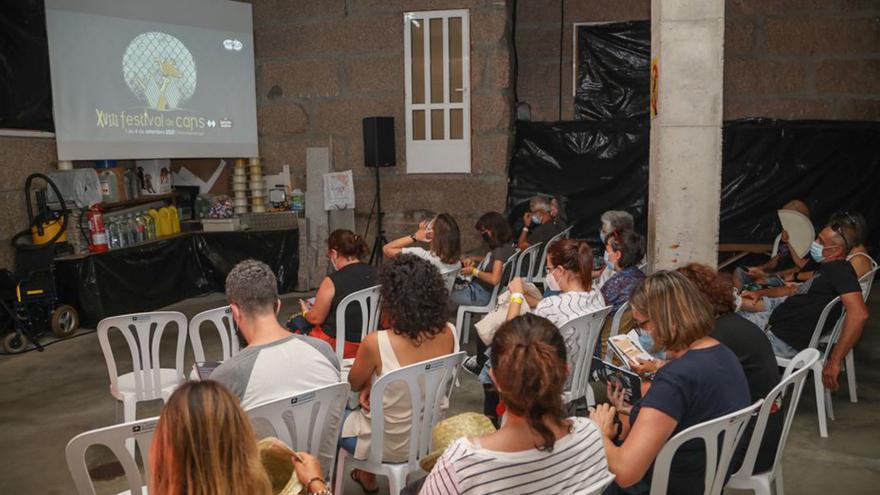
(159, 70)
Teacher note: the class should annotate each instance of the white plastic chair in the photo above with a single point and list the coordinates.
(449, 278)
(541, 268)
(531, 254)
(221, 318)
(824, 409)
(463, 318)
(306, 422)
(581, 334)
(792, 384)
(719, 451)
(368, 301)
(148, 380)
(866, 281)
(428, 382)
(115, 438)
(615, 329)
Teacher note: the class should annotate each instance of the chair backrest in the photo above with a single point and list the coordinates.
(368, 300)
(720, 437)
(221, 319)
(449, 278)
(112, 437)
(820, 324)
(306, 422)
(428, 384)
(867, 280)
(615, 329)
(508, 271)
(775, 249)
(530, 254)
(143, 334)
(792, 384)
(581, 334)
(540, 269)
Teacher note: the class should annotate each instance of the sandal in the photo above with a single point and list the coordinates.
(357, 480)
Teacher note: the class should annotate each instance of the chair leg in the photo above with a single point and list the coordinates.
(340, 471)
(396, 482)
(851, 376)
(829, 408)
(820, 400)
(129, 413)
(762, 485)
(465, 328)
(779, 489)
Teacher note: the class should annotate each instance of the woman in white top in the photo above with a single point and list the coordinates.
(414, 301)
(538, 449)
(443, 237)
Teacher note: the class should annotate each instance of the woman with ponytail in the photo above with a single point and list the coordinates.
(537, 449)
(346, 251)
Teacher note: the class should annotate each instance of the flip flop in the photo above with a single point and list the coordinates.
(357, 480)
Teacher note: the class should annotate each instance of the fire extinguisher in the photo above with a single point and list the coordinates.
(97, 233)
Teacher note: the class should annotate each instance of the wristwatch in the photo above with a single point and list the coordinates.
(325, 491)
(413, 237)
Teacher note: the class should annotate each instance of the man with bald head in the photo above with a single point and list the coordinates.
(792, 322)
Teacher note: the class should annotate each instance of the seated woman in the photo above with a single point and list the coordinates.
(781, 267)
(623, 253)
(350, 274)
(612, 221)
(537, 446)
(414, 300)
(443, 237)
(486, 271)
(204, 444)
(751, 347)
(703, 380)
(854, 229)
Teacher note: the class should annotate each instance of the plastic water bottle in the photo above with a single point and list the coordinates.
(150, 226)
(124, 234)
(297, 202)
(113, 235)
(141, 227)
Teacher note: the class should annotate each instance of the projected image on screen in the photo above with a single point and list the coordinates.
(158, 79)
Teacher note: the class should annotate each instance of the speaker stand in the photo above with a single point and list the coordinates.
(379, 243)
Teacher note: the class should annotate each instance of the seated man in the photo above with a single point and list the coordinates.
(612, 221)
(539, 225)
(792, 323)
(275, 363)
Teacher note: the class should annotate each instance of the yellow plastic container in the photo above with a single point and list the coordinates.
(50, 228)
(175, 220)
(164, 226)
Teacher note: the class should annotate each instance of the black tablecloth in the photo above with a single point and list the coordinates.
(158, 273)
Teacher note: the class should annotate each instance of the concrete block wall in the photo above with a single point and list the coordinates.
(788, 59)
(20, 157)
(324, 66)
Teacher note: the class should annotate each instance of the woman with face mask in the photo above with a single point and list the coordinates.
(623, 251)
(483, 273)
(345, 251)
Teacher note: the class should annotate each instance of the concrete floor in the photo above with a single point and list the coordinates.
(49, 397)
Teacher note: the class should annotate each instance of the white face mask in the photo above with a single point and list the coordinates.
(551, 281)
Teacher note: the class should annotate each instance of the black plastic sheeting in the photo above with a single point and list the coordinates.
(594, 165)
(599, 166)
(25, 89)
(612, 79)
(152, 275)
(830, 165)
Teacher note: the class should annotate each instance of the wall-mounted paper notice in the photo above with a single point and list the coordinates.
(338, 191)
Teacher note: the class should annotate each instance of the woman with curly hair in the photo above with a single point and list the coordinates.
(751, 347)
(414, 301)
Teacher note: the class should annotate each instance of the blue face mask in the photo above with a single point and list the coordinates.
(816, 251)
(608, 262)
(536, 219)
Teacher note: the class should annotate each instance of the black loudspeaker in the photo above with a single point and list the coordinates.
(379, 142)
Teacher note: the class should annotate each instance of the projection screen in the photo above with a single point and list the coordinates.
(152, 79)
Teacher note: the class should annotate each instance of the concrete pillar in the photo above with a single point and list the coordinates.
(687, 46)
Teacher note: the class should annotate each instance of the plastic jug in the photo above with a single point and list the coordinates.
(164, 225)
(175, 219)
(109, 186)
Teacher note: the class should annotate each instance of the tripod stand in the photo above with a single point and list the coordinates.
(376, 253)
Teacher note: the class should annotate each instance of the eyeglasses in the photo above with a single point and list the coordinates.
(836, 227)
(641, 324)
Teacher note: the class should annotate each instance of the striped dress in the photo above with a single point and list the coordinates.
(576, 463)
